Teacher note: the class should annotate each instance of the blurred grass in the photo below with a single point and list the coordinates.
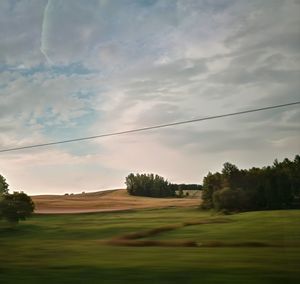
(71, 249)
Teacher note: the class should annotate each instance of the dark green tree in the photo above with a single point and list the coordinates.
(3, 185)
(211, 183)
(16, 206)
(230, 175)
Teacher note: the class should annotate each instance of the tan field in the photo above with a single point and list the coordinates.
(104, 201)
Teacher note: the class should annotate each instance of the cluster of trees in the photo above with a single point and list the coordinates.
(152, 185)
(267, 188)
(149, 185)
(16, 206)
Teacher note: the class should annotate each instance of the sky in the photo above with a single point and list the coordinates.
(75, 68)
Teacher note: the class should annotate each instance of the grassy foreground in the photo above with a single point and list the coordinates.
(74, 249)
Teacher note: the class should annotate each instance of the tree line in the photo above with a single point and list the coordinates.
(267, 188)
(152, 185)
(183, 186)
(16, 206)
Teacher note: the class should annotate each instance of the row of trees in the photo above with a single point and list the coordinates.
(272, 187)
(184, 186)
(183, 190)
(16, 206)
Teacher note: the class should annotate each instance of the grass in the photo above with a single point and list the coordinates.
(73, 248)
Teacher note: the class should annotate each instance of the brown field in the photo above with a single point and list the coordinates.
(104, 201)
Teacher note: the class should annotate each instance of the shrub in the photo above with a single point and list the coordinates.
(227, 198)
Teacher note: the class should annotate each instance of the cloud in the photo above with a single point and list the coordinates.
(71, 69)
(33, 108)
(20, 29)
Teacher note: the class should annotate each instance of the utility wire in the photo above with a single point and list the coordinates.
(150, 127)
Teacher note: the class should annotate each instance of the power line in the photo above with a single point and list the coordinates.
(150, 127)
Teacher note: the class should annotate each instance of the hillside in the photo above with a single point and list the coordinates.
(102, 201)
(174, 245)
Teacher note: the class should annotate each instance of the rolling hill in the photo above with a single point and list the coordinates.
(104, 201)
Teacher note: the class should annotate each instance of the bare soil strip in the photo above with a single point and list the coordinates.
(152, 243)
(133, 239)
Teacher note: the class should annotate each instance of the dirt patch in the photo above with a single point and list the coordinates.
(152, 243)
(236, 244)
(147, 233)
(203, 222)
(133, 239)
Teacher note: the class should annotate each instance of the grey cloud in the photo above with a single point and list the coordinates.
(28, 106)
(179, 69)
(91, 32)
(173, 87)
(239, 76)
(160, 113)
(168, 75)
(213, 141)
(260, 35)
(239, 135)
(20, 30)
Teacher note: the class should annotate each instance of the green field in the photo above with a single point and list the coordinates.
(73, 248)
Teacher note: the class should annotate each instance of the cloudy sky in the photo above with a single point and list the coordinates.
(75, 68)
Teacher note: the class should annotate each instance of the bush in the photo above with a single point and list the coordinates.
(228, 199)
(225, 198)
